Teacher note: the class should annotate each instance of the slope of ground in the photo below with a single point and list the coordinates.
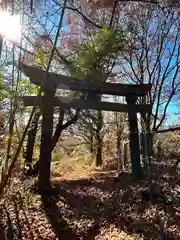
(91, 204)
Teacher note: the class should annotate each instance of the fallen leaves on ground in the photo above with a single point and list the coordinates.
(92, 204)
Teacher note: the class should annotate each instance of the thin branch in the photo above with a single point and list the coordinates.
(113, 13)
(81, 14)
(8, 174)
(168, 130)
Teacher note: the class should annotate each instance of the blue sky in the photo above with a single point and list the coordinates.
(172, 117)
(171, 109)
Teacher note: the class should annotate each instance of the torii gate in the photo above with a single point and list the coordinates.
(49, 101)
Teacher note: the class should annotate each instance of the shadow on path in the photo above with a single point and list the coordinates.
(79, 208)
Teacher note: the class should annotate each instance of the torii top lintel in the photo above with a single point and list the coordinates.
(54, 81)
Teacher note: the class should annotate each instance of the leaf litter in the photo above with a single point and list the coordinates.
(96, 206)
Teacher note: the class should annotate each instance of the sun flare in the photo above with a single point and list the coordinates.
(10, 26)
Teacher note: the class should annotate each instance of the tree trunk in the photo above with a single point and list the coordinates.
(150, 148)
(143, 144)
(99, 151)
(125, 152)
(119, 150)
(31, 139)
(99, 139)
(149, 135)
(134, 138)
(147, 140)
(58, 129)
(91, 147)
(159, 151)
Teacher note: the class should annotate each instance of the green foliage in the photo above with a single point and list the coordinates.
(41, 59)
(27, 88)
(96, 56)
(3, 91)
(1, 81)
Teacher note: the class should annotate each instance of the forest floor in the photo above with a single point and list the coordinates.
(92, 204)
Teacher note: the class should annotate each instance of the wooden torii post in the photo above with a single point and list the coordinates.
(49, 101)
